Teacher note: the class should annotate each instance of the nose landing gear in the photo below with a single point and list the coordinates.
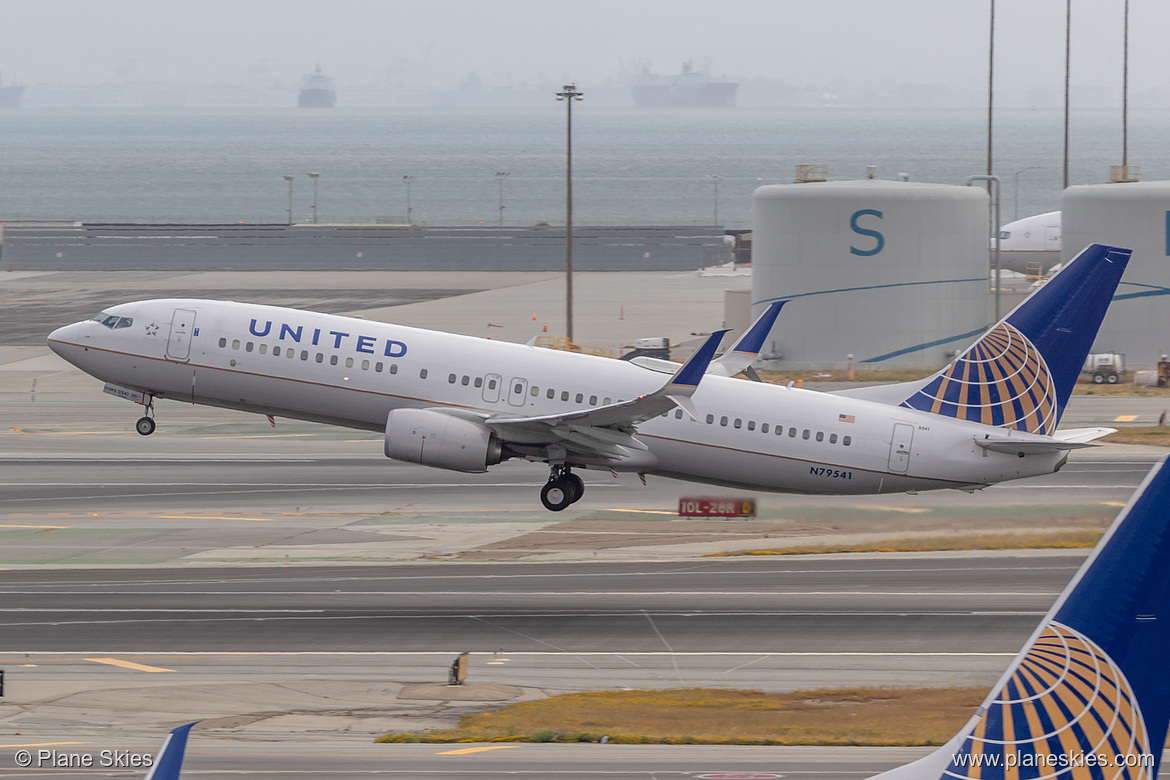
(145, 424)
(563, 488)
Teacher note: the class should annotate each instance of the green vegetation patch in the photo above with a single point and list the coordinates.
(853, 716)
(1058, 540)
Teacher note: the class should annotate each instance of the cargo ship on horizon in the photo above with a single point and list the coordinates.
(317, 90)
(689, 89)
(10, 95)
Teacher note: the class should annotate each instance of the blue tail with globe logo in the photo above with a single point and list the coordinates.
(1020, 374)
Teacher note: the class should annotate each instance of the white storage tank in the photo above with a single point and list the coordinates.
(894, 273)
(1134, 215)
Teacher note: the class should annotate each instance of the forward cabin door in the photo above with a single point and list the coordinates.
(900, 447)
(179, 341)
(517, 389)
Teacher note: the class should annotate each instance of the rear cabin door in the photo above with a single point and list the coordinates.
(900, 447)
(179, 342)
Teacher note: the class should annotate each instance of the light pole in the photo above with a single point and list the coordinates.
(408, 180)
(569, 95)
(314, 177)
(715, 178)
(1016, 196)
(289, 179)
(500, 176)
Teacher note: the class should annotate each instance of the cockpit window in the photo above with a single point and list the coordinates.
(113, 321)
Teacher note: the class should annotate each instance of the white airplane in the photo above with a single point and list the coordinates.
(466, 404)
(1030, 245)
(1086, 698)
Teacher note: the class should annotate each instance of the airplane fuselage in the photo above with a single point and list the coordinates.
(353, 372)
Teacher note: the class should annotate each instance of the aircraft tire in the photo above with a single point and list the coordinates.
(576, 486)
(144, 426)
(556, 494)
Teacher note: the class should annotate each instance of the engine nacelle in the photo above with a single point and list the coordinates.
(444, 441)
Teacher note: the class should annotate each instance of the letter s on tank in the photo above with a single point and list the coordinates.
(875, 235)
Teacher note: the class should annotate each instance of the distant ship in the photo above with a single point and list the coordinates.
(10, 96)
(317, 91)
(689, 89)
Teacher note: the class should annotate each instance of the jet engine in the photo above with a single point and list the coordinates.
(432, 438)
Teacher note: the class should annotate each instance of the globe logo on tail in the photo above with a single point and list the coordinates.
(1065, 701)
(1002, 380)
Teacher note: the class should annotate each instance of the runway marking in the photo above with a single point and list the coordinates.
(215, 517)
(1125, 418)
(128, 664)
(35, 526)
(468, 751)
(44, 744)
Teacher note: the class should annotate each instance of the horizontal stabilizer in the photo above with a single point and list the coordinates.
(1083, 434)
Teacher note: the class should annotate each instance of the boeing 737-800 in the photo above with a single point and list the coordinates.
(466, 404)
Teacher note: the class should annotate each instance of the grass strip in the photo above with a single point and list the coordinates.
(1153, 435)
(1061, 540)
(852, 716)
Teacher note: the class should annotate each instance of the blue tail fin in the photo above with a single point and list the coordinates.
(1021, 372)
(1090, 687)
(169, 761)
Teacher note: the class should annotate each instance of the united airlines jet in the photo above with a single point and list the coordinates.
(466, 404)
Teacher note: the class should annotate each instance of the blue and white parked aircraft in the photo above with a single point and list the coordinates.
(466, 404)
(1087, 698)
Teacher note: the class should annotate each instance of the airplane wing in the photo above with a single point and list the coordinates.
(744, 352)
(607, 433)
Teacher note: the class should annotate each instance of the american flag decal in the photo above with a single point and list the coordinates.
(845, 418)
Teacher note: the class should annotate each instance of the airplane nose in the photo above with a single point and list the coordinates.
(62, 339)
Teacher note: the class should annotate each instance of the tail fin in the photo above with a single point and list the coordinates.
(169, 761)
(1090, 687)
(1021, 372)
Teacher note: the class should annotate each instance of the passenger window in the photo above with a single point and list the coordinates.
(491, 384)
(678, 414)
(738, 423)
(223, 342)
(365, 365)
(248, 347)
(235, 343)
(393, 368)
(451, 379)
(710, 419)
(832, 438)
(479, 381)
(605, 401)
(806, 434)
(564, 395)
(263, 349)
(349, 362)
(518, 389)
(820, 435)
(846, 441)
(304, 354)
(723, 421)
(422, 374)
(580, 398)
(332, 360)
(593, 400)
(276, 351)
(320, 357)
(378, 367)
(534, 392)
(551, 394)
(792, 433)
(763, 427)
(465, 381)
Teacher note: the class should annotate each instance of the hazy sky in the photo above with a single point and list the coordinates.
(845, 43)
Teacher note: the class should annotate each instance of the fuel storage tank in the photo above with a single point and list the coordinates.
(1135, 215)
(894, 273)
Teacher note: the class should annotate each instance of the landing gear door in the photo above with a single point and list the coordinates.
(179, 341)
(900, 448)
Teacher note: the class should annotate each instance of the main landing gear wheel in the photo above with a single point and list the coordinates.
(145, 425)
(562, 489)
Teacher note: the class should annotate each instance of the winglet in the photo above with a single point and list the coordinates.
(169, 760)
(747, 349)
(687, 379)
